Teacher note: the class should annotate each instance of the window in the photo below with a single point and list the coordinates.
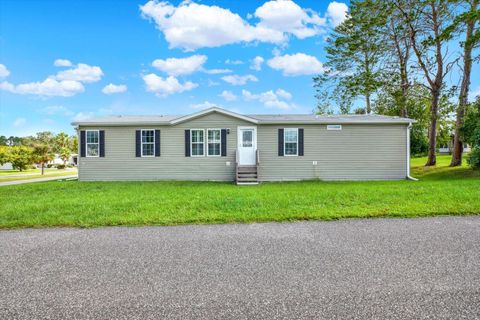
(197, 140)
(291, 141)
(148, 143)
(247, 138)
(213, 142)
(92, 142)
(334, 127)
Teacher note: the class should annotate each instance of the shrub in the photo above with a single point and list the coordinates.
(474, 158)
(61, 166)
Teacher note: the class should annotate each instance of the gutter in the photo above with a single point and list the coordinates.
(409, 177)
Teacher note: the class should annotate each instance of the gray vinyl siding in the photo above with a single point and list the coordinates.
(357, 152)
(120, 162)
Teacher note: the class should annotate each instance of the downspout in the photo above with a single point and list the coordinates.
(408, 154)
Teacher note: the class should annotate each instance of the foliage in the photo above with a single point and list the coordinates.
(21, 157)
(65, 154)
(471, 127)
(474, 158)
(471, 133)
(353, 66)
(4, 155)
(42, 153)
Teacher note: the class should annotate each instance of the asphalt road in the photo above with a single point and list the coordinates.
(354, 269)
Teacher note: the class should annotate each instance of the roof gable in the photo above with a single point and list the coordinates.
(212, 110)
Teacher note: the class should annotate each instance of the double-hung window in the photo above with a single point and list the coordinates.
(197, 142)
(291, 141)
(92, 142)
(148, 143)
(214, 140)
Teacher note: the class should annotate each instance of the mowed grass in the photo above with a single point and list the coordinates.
(34, 175)
(441, 191)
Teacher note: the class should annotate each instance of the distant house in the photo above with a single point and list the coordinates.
(72, 160)
(217, 144)
(448, 148)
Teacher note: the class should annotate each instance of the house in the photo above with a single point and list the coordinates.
(217, 144)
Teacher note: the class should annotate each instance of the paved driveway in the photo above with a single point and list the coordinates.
(363, 269)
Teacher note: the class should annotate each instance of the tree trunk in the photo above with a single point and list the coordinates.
(404, 84)
(43, 168)
(368, 108)
(463, 98)
(432, 143)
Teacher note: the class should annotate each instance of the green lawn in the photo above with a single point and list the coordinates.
(34, 174)
(441, 191)
(24, 172)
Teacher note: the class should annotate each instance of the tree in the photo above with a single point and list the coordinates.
(65, 154)
(426, 21)
(42, 153)
(354, 52)
(61, 140)
(21, 157)
(4, 155)
(472, 39)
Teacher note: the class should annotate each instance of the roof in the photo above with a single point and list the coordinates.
(253, 118)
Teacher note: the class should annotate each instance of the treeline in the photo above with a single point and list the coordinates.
(398, 56)
(23, 152)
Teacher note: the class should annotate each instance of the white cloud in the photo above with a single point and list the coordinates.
(233, 62)
(270, 99)
(49, 87)
(191, 25)
(53, 110)
(217, 71)
(288, 17)
(113, 88)
(19, 122)
(296, 64)
(3, 71)
(284, 94)
(336, 13)
(204, 105)
(228, 95)
(180, 66)
(257, 63)
(166, 86)
(237, 80)
(64, 84)
(62, 63)
(82, 72)
(81, 116)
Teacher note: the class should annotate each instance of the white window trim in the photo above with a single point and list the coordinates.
(87, 143)
(141, 143)
(191, 143)
(334, 127)
(285, 143)
(206, 144)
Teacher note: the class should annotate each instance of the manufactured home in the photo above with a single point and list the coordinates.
(220, 145)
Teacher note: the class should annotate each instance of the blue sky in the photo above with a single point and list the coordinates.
(66, 60)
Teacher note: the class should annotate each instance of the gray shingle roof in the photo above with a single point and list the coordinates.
(255, 118)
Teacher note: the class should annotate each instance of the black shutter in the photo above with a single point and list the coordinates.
(102, 143)
(157, 143)
(280, 142)
(224, 143)
(300, 141)
(82, 143)
(138, 150)
(187, 143)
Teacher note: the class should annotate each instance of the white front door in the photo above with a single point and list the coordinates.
(247, 145)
